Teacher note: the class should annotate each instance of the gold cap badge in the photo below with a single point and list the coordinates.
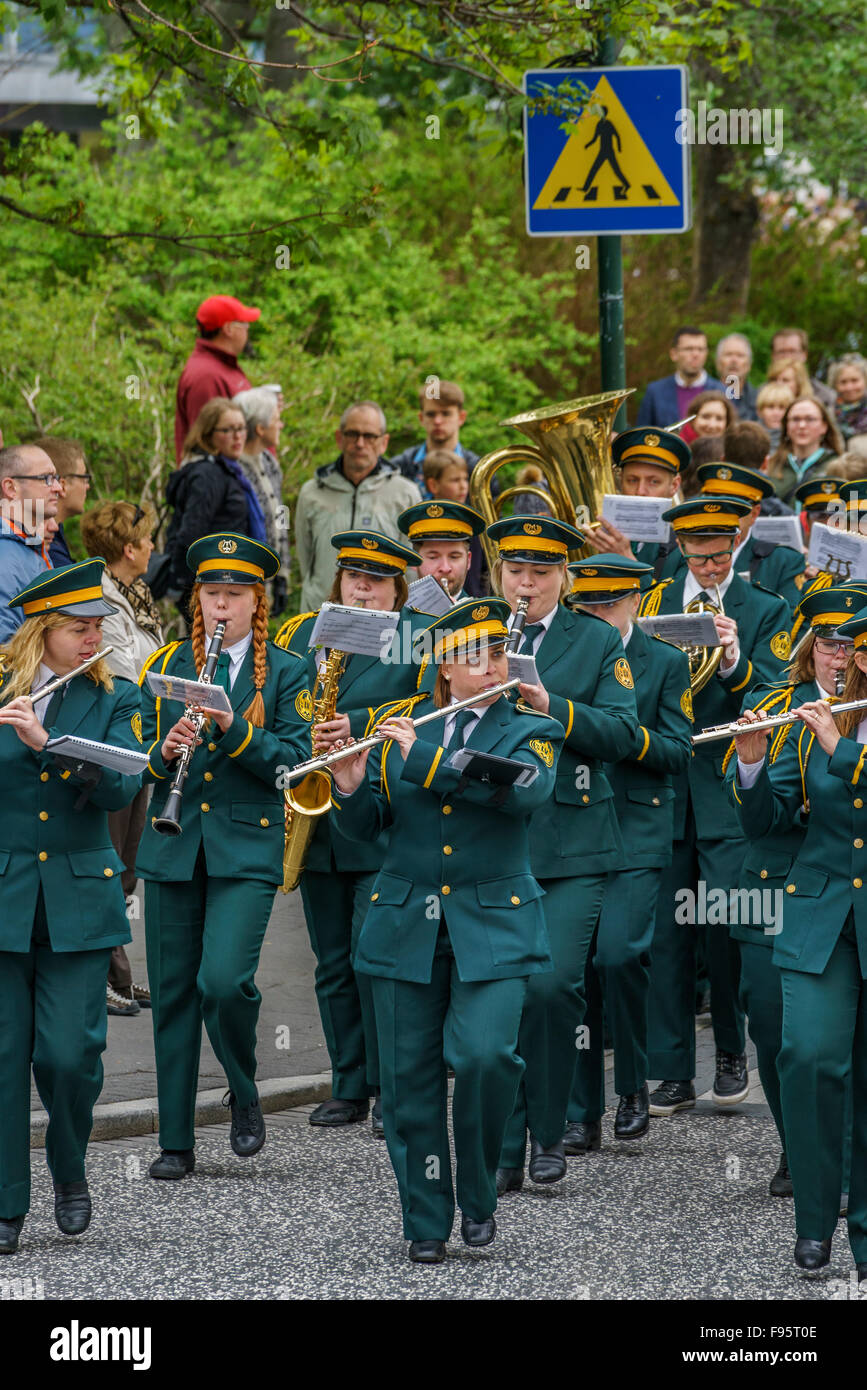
(724, 474)
(227, 547)
(368, 543)
(434, 510)
(531, 529)
(651, 440)
(480, 613)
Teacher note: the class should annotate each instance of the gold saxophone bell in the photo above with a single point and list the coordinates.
(572, 447)
(703, 661)
(311, 797)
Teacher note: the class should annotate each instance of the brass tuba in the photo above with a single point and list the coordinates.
(573, 449)
(311, 798)
(703, 661)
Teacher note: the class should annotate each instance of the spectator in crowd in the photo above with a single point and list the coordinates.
(121, 533)
(360, 490)
(261, 466)
(857, 445)
(792, 375)
(848, 379)
(441, 413)
(847, 466)
(68, 458)
(212, 367)
(210, 491)
(707, 449)
(748, 445)
(772, 403)
(29, 492)
(446, 475)
(714, 413)
(670, 399)
(734, 358)
(793, 343)
(808, 441)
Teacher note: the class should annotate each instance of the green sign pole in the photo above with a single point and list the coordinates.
(612, 345)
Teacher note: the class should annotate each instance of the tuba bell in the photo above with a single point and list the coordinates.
(572, 447)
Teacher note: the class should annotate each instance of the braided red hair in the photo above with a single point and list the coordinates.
(255, 711)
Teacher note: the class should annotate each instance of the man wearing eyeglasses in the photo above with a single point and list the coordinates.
(29, 492)
(67, 455)
(709, 847)
(361, 490)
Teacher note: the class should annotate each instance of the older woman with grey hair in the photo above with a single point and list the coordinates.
(848, 380)
(261, 410)
(734, 358)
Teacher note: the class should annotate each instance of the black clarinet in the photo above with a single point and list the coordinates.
(839, 681)
(169, 823)
(516, 631)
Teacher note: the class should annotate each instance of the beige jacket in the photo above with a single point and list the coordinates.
(132, 645)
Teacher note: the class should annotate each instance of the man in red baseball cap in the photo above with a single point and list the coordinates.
(212, 367)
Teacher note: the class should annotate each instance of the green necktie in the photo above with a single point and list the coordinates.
(459, 732)
(221, 675)
(531, 632)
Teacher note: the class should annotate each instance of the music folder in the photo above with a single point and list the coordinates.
(80, 751)
(487, 767)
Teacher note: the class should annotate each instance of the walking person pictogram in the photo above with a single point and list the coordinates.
(606, 133)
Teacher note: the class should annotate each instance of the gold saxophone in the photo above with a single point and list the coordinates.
(311, 797)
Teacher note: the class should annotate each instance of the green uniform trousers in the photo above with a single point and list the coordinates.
(52, 1017)
(618, 967)
(824, 1038)
(203, 943)
(762, 1001)
(671, 1008)
(335, 906)
(422, 1029)
(553, 1011)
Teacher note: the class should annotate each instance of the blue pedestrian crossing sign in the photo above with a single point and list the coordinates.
(607, 161)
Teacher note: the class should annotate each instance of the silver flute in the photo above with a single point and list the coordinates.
(37, 696)
(773, 721)
(338, 754)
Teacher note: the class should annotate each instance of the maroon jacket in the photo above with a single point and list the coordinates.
(208, 372)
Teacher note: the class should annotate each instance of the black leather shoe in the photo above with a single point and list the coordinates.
(376, 1124)
(427, 1252)
(72, 1207)
(582, 1137)
(732, 1081)
(247, 1134)
(546, 1165)
(632, 1120)
(340, 1112)
(478, 1232)
(781, 1183)
(861, 1271)
(812, 1255)
(509, 1180)
(173, 1163)
(10, 1230)
(671, 1096)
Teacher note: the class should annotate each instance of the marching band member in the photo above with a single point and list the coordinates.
(574, 838)
(821, 949)
(818, 659)
(442, 534)
(63, 905)
(709, 845)
(776, 567)
(649, 463)
(336, 884)
(209, 892)
(608, 586)
(454, 930)
(820, 501)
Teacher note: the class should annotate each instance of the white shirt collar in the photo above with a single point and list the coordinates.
(629, 633)
(692, 588)
(43, 676)
(236, 654)
(699, 381)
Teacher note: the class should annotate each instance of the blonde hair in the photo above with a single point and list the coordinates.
(802, 380)
(255, 711)
(22, 654)
(108, 526)
(802, 666)
(774, 393)
(200, 434)
(854, 689)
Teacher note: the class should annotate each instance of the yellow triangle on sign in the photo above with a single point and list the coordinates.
(605, 163)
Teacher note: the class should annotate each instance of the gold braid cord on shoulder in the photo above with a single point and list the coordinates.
(649, 606)
(289, 629)
(168, 651)
(394, 709)
(822, 581)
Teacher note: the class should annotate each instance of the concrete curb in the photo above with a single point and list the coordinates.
(126, 1118)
